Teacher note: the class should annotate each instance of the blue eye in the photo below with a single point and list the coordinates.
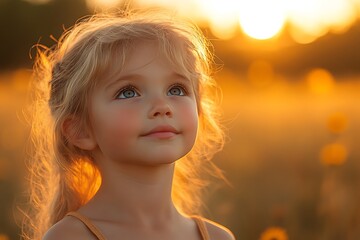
(177, 90)
(127, 92)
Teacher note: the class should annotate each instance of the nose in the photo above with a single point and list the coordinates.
(160, 108)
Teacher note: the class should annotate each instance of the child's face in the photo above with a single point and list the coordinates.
(145, 114)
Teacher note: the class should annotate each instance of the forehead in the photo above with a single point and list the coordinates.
(141, 54)
(137, 54)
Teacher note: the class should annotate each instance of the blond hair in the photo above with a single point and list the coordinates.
(64, 177)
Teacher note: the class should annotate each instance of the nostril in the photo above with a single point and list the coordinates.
(160, 109)
(168, 114)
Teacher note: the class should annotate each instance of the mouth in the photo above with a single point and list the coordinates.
(163, 132)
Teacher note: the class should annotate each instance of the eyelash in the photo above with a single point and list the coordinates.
(125, 88)
(181, 86)
(131, 87)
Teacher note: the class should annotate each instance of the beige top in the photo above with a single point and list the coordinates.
(94, 230)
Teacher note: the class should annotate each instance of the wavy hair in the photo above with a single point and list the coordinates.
(63, 177)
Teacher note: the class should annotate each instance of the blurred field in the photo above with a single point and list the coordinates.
(292, 154)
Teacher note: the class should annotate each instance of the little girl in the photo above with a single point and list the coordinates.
(124, 128)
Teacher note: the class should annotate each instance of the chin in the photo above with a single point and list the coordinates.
(164, 158)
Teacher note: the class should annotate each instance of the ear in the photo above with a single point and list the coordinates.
(78, 134)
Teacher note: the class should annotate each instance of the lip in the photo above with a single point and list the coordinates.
(163, 131)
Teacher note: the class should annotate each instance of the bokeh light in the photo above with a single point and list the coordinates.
(334, 154)
(4, 237)
(261, 19)
(222, 17)
(337, 123)
(287, 70)
(320, 81)
(274, 233)
(311, 19)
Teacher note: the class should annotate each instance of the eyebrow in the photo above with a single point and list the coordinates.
(123, 78)
(132, 77)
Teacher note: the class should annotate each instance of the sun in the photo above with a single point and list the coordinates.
(261, 19)
(306, 20)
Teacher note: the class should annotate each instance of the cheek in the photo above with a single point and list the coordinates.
(114, 128)
(189, 119)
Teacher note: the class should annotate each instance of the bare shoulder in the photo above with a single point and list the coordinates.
(217, 231)
(68, 228)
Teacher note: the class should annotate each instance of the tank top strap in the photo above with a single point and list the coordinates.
(97, 233)
(202, 227)
(87, 222)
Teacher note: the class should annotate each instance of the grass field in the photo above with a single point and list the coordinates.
(292, 155)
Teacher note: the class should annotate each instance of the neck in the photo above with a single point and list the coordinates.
(138, 194)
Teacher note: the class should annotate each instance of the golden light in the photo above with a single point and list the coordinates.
(20, 80)
(187, 8)
(333, 154)
(222, 17)
(261, 19)
(87, 181)
(274, 233)
(311, 19)
(305, 36)
(305, 19)
(94, 4)
(337, 123)
(4, 237)
(340, 15)
(260, 73)
(320, 81)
